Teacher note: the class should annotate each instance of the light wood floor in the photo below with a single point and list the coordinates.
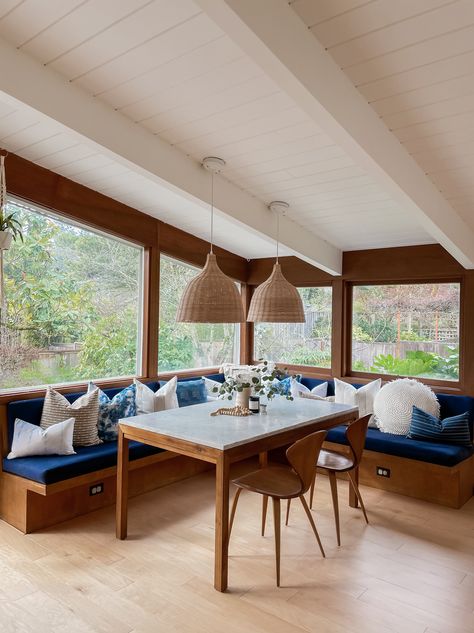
(410, 571)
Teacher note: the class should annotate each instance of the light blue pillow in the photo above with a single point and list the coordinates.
(122, 405)
(453, 430)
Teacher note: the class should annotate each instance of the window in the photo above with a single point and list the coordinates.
(189, 345)
(306, 343)
(72, 304)
(407, 330)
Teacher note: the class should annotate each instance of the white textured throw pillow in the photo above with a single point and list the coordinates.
(30, 439)
(394, 404)
(149, 401)
(363, 398)
(296, 389)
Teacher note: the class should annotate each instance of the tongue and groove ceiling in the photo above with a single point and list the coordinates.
(175, 83)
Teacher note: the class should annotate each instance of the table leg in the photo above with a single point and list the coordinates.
(122, 487)
(353, 501)
(263, 459)
(221, 524)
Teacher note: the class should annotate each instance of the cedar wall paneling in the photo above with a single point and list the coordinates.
(406, 264)
(73, 201)
(428, 263)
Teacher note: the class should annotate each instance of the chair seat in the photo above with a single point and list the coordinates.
(332, 460)
(273, 481)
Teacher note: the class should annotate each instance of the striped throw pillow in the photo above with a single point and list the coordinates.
(454, 430)
(85, 410)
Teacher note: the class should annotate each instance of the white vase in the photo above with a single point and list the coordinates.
(242, 397)
(5, 240)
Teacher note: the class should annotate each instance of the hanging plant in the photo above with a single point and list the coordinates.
(10, 229)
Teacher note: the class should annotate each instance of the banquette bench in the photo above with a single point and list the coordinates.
(441, 473)
(37, 492)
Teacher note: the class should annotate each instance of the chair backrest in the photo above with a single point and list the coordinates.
(355, 435)
(303, 455)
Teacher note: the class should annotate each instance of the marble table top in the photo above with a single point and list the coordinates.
(195, 424)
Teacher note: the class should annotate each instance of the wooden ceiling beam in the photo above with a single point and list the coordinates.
(274, 37)
(27, 82)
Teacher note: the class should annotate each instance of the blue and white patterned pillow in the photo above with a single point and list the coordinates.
(122, 405)
(284, 385)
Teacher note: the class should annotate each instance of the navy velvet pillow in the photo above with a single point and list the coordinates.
(191, 392)
(454, 430)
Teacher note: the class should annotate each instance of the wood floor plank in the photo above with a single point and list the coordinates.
(410, 570)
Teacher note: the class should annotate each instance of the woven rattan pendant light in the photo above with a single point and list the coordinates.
(276, 300)
(211, 296)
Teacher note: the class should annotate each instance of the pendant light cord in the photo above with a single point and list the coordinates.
(278, 233)
(212, 212)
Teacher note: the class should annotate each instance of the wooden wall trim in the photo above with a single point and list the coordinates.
(67, 198)
(193, 250)
(297, 271)
(406, 263)
(45, 188)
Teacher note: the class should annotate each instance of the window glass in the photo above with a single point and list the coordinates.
(306, 343)
(189, 345)
(72, 307)
(407, 330)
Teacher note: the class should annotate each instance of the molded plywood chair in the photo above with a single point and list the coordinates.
(284, 482)
(335, 462)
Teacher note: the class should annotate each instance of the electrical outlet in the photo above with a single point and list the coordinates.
(382, 472)
(96, 489)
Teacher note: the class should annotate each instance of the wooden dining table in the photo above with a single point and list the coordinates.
(222, 440)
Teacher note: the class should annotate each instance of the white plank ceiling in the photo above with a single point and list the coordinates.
(166, 66)
(413, 61)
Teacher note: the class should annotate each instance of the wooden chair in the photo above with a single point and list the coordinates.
(284, 482)
(335, 462)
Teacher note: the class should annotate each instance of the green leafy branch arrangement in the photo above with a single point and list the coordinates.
(259, 378)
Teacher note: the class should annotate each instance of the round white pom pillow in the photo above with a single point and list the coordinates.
(393, 405)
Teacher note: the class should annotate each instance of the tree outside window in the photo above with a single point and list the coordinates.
(72, 304)
(407, 330)
(306, 343)
(189, 345)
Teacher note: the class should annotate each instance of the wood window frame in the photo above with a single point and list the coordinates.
(40, 187)
(443, 386)
(313, 371)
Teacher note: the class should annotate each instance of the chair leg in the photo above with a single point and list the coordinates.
(311, 494)
(277, 522)
(333, 482)
(308, 514)
(234, 508)
(264, 512)
(359, 496)
(288, 504)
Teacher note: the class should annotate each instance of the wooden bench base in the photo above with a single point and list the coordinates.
(448, 486)
(30, 506)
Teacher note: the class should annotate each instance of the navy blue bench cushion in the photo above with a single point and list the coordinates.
(50, 469)
(30, 410)
(401, 446)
